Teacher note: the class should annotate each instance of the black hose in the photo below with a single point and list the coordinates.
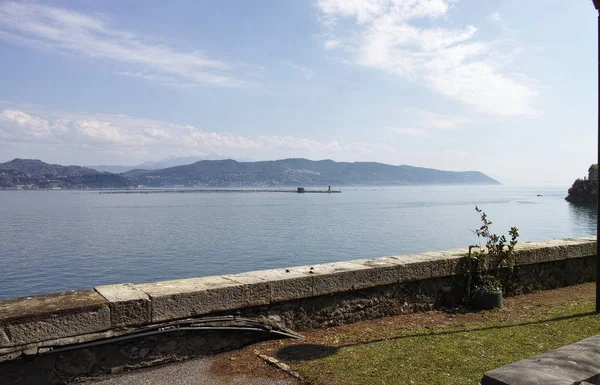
(175, 327)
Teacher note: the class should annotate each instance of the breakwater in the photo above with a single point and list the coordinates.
(58, 336)
(192, 190)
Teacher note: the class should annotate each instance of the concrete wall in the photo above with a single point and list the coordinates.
(297, 297)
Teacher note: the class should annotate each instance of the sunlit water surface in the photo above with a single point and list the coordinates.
(65, 240)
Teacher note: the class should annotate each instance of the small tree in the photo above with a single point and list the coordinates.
(486, 264)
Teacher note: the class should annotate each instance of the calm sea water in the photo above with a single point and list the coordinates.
(65, 240)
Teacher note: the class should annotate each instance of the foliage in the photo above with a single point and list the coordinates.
(583, 191)
(487, 263)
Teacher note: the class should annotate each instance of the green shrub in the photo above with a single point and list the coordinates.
(486, 264)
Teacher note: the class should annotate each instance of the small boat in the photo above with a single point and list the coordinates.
(540, 195)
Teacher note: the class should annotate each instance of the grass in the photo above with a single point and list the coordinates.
(458, 354)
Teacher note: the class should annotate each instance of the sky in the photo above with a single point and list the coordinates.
(507, 88)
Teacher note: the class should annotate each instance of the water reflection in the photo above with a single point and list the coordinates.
(583, 217)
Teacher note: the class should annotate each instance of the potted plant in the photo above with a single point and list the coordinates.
(488, 263)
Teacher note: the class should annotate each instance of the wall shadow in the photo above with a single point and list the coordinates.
(309, 352)
(476, 329)
(305, 352)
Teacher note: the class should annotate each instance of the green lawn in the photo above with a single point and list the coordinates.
(454, 355)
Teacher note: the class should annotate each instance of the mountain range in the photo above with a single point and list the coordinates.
(229, 173)
(160, 164)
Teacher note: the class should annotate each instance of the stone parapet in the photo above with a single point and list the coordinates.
(382, 285)
(29, 320)
(129, 305)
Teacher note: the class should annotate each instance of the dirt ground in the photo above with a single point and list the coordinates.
(245, 361)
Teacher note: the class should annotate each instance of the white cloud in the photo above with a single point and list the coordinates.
(388, 35)
(494, 17)
(19, 123)
(165, 80)
(154, 139)
(104, 131)
(454, 153)
(408, 131)
(92, 36)
(434, 120)
(368, 10)
(305, 71)
(418, 122)
(331, 44)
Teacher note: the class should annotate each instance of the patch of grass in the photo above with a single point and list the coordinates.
(454, 355)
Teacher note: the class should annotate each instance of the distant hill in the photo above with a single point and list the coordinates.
(231, 173)
(38, 168)
(112, 169)
(43, 175)
(300, 172)
(159, 164)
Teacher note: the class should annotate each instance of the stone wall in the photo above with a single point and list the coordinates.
(77, 364)
(33, 330)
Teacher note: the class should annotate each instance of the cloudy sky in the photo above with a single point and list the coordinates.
(507, 88)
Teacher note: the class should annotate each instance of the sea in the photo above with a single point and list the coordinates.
(69, 240)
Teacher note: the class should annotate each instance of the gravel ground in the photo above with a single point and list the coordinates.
(198, 371)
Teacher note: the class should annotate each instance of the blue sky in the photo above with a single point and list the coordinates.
(507, 88)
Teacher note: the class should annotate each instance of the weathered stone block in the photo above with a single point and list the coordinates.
(548, 254)
(129, 305)
(286, 284)
(33, 319)
(257, 291)
(338, 277)
(527, 254)
(416, 267)
(191, 297)
(581, 249)
(442, 263)
(384, 271)
(554, 250)
(457, 261)
(404, 268)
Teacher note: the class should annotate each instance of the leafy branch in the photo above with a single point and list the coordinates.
(497, 254)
